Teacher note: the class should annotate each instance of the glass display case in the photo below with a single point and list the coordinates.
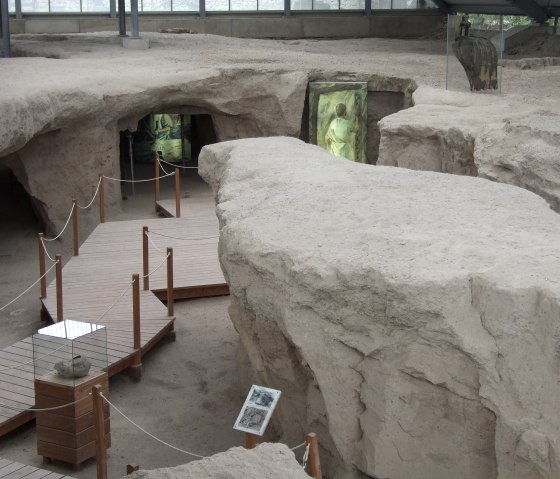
(69, 351)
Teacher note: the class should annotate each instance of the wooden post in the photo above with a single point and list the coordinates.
(156, 176)
(170, 308)
(101, 199)
(42, 267)
(75, 226)
(177, 193)
(250, 441)
(99, 424)
(136, 310)
(58, 269)
(314, 461)
(145, 258)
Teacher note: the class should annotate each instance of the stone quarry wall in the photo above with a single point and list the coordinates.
(59, 139)
(409, 317)
(502, 139)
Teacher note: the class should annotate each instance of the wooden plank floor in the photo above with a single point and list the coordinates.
(15, 470)
(100, 277)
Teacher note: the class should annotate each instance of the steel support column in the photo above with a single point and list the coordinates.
(134, 33)
(122, 19)
(113, 8)
(19, 14)
(287, 8)
(201, 8)
(368, 8)
(5, 22)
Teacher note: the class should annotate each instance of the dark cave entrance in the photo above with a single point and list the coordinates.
(175, 138)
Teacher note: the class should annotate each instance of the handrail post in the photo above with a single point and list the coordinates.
(250, 441)
(42, 267)
(75, 226)
(156, 183)
(136, 310)
(314, 461)
(177, 193)
(136, 369)
(99, 423)
(101, 199)
(59, 312)
(145, 258)
(170, 308)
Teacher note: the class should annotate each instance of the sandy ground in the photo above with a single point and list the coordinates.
(188, 395)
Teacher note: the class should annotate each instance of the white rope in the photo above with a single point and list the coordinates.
(48, 408)
(115, 302)
(298, 446)
(153, 244)
(137, 181)
(17, 366)
(94, 195)
(193, 238)
(162, 168)
(45, 249)
(158, 267)
(305, 457)
(146, 432)
(177, 166)
(65, 226)
(30, 287)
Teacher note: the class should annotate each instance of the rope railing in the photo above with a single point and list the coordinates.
(65, 226)
(42, 239)
(158, 266)
(193, 238)
(115, 302)
(28, 289)
(153, 244)
(47, 409)
(94, 196)
(176, 166)
(138, 181)
(198, 456)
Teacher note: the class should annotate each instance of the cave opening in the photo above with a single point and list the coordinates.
(176, 139)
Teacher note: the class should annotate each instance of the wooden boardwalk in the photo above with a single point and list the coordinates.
(100, 277)
(15, 470)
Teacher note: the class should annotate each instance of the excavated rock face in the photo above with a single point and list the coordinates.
(266, 461)
(495, 138)
(410, 318)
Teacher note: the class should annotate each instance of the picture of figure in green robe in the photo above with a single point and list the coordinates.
(338, 118)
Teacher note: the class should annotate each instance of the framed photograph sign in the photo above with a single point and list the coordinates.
(257, 410)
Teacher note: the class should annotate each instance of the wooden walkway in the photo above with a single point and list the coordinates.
(15, 470)
(100, 277)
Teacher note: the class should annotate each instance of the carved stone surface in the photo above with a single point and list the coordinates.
(409, 318)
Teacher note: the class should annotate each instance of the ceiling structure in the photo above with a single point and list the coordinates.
(540, 10)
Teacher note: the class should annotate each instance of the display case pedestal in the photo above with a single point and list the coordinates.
(68, 434)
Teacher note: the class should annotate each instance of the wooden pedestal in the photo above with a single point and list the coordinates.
(68, 434)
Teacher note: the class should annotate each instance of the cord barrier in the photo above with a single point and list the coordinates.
(45, 249)
(153, 244)
(295, 448)
(94, 195)
(116, 301)
(149, 434)
(158, 267)
(176, 166)
(63, 229)
(186, 239)
(30, 287)
(48, 408)
(138, 181)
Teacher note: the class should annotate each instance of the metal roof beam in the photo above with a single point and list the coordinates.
(443, 6)
(531, 9)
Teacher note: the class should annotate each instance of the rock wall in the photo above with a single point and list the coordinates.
(266, 461)
(410, 318)
(500, 139)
